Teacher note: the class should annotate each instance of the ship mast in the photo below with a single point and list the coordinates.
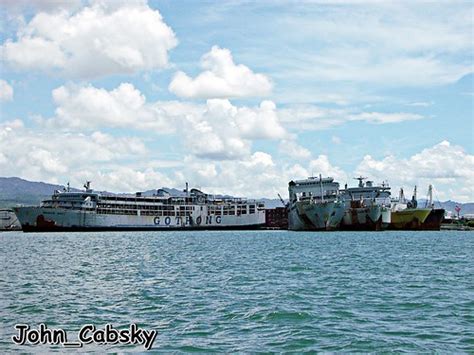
(321, 186)
(282, 201)
(401, 196)
(87, 186)
(430, 196)
(414, 202)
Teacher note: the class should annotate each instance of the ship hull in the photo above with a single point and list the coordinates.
(8, 221)
(373, 218)
(321, 216)
(434, 219)
(297, 221)
(409, 219)
(36, 219)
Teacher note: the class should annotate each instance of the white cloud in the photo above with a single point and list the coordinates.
(86, 108)
(34, 52)
(6, 91)
(43, 5)
(321, 165)
(311, 117)
(221, 78)
(388, 44)
(256, 175)
(125, 164)
(214, 133)
(124, 179)
(365, 66)
(260, 176)
(448, 167)
(336, 140)
(381, 117)
(95, 41)
(294, 150)
(38, 154)
(420, 103)
(259, 123)
(215, 130)
(225, 131)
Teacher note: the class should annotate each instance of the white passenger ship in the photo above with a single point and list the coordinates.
(90, 210)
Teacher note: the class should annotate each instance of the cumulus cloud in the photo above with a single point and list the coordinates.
(17, 6)
(214, 133)
(260, 123)
(260, 176)
(6, 91)
(321, 165)
(225, 131)
(221, 78)
(105, 159)
(293, 150)
(36, 154)
(256, 175)
(448, 167)
(124, 179)
(87, 107)
(215, 130)
(94, 41)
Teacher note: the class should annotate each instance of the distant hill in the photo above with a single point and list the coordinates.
(14, 191)
(466, 208)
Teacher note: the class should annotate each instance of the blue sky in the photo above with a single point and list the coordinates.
(238, 97)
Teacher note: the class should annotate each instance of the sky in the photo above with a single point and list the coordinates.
(238, 97)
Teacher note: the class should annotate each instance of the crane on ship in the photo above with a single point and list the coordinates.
(282, 201)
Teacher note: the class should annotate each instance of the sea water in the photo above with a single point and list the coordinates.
(245, 291)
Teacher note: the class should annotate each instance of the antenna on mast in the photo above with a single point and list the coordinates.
(361, 180)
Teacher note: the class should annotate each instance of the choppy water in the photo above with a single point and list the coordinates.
(246, 291)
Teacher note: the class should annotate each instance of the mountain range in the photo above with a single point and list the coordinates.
(17, 191)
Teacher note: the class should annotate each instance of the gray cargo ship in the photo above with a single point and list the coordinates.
(367, 206)
(315, 204)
